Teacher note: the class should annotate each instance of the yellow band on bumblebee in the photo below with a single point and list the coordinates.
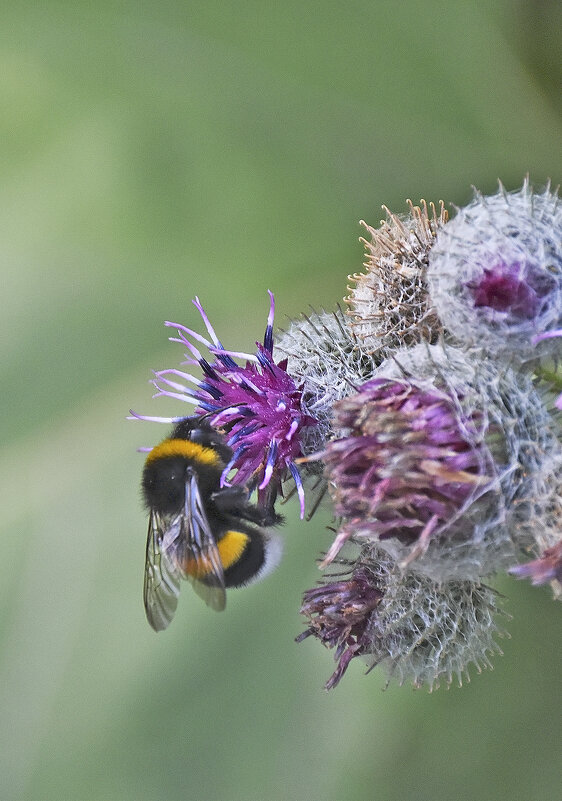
(230, 548)
(186, 448)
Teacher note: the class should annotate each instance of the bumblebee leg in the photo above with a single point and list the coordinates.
(230, 499)
(234, 501)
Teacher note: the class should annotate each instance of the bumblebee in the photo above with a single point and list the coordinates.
(212, 536)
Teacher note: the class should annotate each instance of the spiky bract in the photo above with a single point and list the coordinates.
(389, 305)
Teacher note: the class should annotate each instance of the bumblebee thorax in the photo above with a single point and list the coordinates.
(167, 468)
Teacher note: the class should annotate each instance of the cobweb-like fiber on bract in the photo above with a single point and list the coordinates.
(425, 632)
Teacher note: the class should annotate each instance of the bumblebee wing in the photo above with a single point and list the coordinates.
(161, 574)
(202, 565)
(213, 595)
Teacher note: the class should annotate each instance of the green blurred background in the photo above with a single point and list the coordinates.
(154, 151)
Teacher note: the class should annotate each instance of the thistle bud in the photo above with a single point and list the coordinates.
(495, 273)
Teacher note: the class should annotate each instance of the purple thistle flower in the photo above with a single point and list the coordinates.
(339, 614)
(512, 288)
(258, 406)
(408, 466)
(541, 571)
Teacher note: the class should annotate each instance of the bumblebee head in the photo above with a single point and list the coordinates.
(197, 429)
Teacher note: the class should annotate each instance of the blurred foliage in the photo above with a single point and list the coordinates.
(152, 152)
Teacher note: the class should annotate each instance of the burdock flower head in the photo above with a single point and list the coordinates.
(389, 304)
(416, 629)
(257, 404)
(495, 273)
(451, 464)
